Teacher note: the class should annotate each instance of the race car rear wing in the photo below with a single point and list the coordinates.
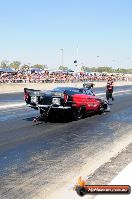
(28, 90)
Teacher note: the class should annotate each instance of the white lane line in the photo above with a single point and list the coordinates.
(23, 103)
(124, 91)
(12, 105)
(120, 94)
(1, 93)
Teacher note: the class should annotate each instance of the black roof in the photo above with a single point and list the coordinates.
(65, 88)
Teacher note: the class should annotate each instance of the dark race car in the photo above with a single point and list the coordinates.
(71, 101)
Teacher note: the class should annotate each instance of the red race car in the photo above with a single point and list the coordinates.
(64, 101)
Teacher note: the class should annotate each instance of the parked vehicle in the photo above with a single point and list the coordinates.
(70, 101)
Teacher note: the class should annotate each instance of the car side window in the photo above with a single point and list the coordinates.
(88, 93)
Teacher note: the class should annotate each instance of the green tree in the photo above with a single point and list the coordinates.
(104, 69)
(25, 67)
(4, 64)
(40, 66)
(63, 68)
(85, 69)
(15, 65)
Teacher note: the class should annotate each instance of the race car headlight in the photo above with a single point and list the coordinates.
(56, 101)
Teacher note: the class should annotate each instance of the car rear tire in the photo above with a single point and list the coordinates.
(77, 114)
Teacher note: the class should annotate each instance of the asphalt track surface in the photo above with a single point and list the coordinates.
(37, 157)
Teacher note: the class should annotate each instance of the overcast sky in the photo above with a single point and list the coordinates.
(98, 32)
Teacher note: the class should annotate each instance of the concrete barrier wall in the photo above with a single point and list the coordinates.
(5, 88)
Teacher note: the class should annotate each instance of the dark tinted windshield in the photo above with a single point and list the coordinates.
(72, 92)
(86, 91)
(65, 88)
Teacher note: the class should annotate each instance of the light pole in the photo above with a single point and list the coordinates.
(76, 55)
(76, 61)
(98, 60)
(61, 56)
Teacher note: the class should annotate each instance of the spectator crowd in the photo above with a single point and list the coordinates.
(57, 77)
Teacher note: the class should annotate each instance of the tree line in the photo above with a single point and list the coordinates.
(106, 69)
(17, 65)
(100, 69)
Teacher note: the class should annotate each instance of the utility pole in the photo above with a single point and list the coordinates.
(61, 57)
(77, 53)
(76, 61)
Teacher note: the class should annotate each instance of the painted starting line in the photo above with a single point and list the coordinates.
(23, 103)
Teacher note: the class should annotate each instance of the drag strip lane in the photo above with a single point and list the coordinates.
(34, 156)
(13, 100)
(12, 111)
(26, 125)
(21, 121)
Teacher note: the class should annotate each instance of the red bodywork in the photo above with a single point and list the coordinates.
(89, 102)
